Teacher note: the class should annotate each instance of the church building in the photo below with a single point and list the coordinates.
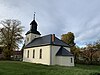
(48, 49)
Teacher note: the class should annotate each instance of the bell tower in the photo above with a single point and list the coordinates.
(32, 33)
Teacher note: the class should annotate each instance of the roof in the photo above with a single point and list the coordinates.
(63, 52)
(46, 40)
(33, 23)
(33, 28)
(34, 32)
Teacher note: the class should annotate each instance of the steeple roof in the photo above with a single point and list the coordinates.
(33, 27)
(33, 23)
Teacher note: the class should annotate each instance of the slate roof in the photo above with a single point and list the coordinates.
(33, 23)
(63, 52)
(34, 32)
(45, 40)
(33, 28)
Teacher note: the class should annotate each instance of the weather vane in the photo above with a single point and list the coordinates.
(34, 15)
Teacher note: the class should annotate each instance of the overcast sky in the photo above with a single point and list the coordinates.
(82, 17)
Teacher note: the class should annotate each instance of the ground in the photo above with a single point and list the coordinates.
(22, 68)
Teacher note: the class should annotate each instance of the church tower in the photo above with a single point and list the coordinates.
(32, 33)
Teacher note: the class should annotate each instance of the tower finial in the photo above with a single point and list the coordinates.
(34, 15)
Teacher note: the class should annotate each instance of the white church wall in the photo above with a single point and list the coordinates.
(45, 55)
(60, 60)
(30, 37)
(65, 60)
(48, 56)
(67, 48)
(34, 36)
(54, 50)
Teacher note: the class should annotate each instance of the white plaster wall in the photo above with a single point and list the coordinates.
(31, 36)
(54, 50)
(67, 48)
(65, 60)
(48, 56)
(34, 36)
(60, 60)
(45, 55)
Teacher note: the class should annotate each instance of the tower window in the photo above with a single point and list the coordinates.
(33, 53)
(27, 39)
(71, 60)
(28, 54)
(40, 53)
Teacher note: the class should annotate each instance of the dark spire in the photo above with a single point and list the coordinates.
(33, 27)
(33, 24)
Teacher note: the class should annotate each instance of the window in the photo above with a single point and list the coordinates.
(28, 54)
(33, 53)
(71, 60)
(40, 53)
(27, 39)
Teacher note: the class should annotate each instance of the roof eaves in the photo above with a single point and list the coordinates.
(37, 46)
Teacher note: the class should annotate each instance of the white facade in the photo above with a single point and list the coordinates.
(45, 59)
(65, 60)
(30, 37)
(48, 56)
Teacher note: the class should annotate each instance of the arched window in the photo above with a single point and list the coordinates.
(28, 54)
(71, 60)
(33, 53)
(40, 53)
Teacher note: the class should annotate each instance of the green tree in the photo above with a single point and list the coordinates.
(68, 38)
(97, 44)
(11, 36)
(89, 53)
(22, 50)
(76, 52)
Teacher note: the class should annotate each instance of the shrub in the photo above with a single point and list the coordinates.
(95, 73)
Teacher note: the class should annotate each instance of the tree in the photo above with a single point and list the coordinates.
(97, 44)
(75, 51)
(11, 36)
(22, 50)
(89, 52)
(68, 38)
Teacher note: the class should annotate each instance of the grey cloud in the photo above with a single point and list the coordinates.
(57, 16)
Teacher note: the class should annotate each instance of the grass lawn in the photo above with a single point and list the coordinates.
(22, 68)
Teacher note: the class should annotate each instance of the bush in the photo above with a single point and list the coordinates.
(88, 63)
(95, 73)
